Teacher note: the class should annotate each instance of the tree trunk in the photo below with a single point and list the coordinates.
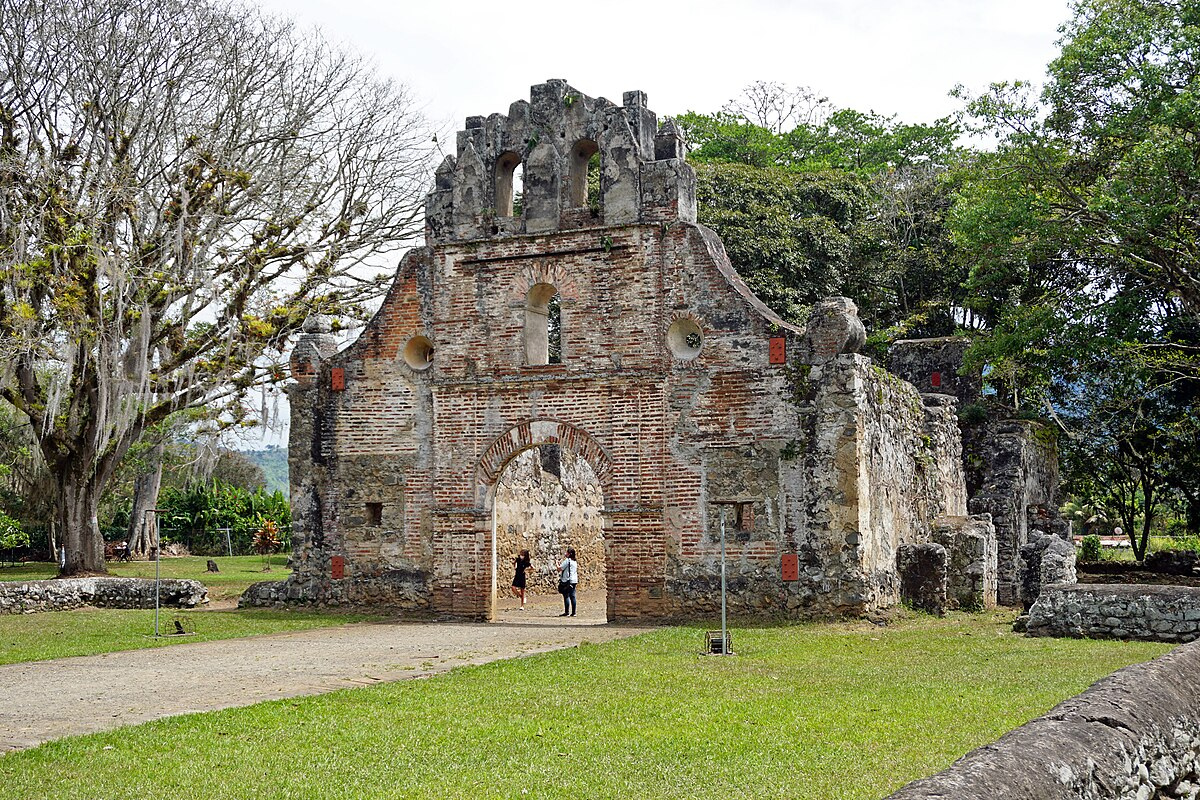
(81, 540)
(143, 533)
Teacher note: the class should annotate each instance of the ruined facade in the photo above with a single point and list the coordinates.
(593, 314)
(1011, 465)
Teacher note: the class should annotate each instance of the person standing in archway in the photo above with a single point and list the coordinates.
(522, 563)
(568, 579)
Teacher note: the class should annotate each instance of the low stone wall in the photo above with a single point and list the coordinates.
(1116, 611)
(64, 594)
(1134, 735)
(399, 591)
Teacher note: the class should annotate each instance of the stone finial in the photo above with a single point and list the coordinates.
(833, 328)
(668, 142)
(314, 346)
(317, 323)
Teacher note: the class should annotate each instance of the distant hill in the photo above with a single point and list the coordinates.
(274, 463)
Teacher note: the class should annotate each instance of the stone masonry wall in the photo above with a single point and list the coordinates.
(1117, 611)
(1012, 471)
(546, 501)
(1134, 735)
(64, 594)
(970, 543)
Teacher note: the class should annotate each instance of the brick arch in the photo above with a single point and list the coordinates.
(522, 436)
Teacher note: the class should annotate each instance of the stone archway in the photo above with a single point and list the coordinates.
(562, 477)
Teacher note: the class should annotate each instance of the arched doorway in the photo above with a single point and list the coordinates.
(545, 484)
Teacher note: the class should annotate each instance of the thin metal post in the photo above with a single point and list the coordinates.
(157, 569)
(724, 627)
(157, 561)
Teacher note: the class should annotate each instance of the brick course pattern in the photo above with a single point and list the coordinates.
(684, 394)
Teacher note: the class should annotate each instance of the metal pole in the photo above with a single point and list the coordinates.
(157, 561)
(229, 543)
(157, 568)
(724, 628)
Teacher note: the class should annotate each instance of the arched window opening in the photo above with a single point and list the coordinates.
(543, 326)
(585, 170)
(509, 184)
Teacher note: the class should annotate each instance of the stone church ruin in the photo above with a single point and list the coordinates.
(586, 348)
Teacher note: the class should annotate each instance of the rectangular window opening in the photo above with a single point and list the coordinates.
(745, 517)
(375, 514)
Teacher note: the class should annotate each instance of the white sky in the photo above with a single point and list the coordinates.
(901, 57)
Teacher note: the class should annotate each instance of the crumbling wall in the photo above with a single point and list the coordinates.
(879, 466)
(933, 366)
(1134, 735)
(923, 572)
(686, 396)
(970, 543)
(65, 594)
(1045, 560)
(1013, 467)
(548, 500)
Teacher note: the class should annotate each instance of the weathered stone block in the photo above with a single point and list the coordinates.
(923, 576)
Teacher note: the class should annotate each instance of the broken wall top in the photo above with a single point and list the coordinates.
(550, 139)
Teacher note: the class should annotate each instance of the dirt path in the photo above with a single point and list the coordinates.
(47, 700)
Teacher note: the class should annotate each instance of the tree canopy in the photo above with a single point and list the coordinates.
(181, 185)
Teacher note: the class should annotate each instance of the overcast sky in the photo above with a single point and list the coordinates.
(900, 57)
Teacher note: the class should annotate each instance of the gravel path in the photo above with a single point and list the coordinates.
(47, 700)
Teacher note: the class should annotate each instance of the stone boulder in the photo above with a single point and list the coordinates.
(1045, 560)
(833, 328)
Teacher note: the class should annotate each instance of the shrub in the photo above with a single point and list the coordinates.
(11, 535)
(1089, 549)
(1177, 528)
(972, 413)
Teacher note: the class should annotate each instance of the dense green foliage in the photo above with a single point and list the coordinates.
(1081, 228)
(831, 711)
(200, 515)
(852, 204)
(1090, 548)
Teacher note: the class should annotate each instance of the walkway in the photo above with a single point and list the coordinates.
(47, 700)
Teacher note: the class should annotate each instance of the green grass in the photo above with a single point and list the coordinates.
(811, 711)
(37, 637)
(237, 572)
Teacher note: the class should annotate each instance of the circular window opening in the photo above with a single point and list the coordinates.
(684, 339)
(418, 353)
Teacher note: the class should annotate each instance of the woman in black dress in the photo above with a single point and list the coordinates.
(522, 564)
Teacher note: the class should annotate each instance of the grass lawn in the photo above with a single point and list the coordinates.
(58, 634)
(812, 711)
(237, 572)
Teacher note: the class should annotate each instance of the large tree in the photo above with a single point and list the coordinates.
(181, 184)
(1083, 229)
(812, 200)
